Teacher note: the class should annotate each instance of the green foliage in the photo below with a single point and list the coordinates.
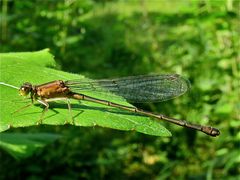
(21, 145)
(18, 68)
(104, 39)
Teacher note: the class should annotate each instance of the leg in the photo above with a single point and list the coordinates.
(45, 103)
(68, 103)
(24, 107)
(70, 110)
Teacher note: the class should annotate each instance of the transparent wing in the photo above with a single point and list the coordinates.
(138, 89)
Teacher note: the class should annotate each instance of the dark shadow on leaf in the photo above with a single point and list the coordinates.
(53, 106)
(80, 107)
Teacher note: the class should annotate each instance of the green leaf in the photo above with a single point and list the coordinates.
(37, 68)
(21, 145)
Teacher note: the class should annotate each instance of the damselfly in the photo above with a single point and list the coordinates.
(137, 89)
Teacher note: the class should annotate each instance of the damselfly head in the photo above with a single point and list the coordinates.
(25, 89)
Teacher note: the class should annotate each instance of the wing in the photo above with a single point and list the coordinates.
(137, 89)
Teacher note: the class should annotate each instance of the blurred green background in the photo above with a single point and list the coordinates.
(116, 38)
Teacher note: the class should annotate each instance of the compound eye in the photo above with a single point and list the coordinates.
(24, 91)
